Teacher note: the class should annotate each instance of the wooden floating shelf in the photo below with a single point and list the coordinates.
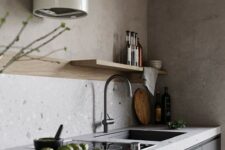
(102, 64)
(93, 69)
(96, 63)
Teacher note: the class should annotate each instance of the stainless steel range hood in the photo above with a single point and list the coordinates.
(65, 9)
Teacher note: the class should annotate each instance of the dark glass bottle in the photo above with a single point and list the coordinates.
(158, 109)
(166, 107)
(133, 48)
(140, 53)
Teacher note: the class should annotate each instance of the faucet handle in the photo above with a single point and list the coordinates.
(110, 121)
(108, 116)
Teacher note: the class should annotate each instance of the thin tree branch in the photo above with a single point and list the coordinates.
(16, 39)
(21, 53)
(48, 54)
(42, 58)
(45, 43)
(3, 19)
(39, 39)
(54, 51)
(12, 47)
(16, 47)
(35, 41)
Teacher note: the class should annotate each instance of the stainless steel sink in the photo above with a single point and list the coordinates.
(141, 135)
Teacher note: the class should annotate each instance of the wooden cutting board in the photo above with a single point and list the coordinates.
(142, 105)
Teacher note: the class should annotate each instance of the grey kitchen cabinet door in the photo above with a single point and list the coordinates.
(198, 148)
(212, 145)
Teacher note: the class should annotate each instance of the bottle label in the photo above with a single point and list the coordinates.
(132, 56)
(129, 55)
(136, 56)
(158, 114)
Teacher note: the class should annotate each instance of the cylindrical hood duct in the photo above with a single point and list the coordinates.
(67, 9)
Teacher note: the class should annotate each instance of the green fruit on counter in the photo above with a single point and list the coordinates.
(66, 147)
(47, 148)
(76, 147)
(84, 146)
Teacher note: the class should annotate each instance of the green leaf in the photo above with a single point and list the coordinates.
(67, 28)
(177, 124)
(25, 23)
(2, 20)
(63, 25)
(28, 19)
(37, 50)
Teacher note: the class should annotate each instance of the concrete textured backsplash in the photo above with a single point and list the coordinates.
(32, 107)
(189, 36)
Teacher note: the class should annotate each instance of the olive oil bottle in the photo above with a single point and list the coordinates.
(166, 107)
(158, 108)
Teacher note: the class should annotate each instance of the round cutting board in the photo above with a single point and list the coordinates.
(142, 105)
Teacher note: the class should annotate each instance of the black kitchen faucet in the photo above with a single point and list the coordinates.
(107, 120)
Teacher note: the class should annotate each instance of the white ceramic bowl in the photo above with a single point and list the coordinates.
(156, 64)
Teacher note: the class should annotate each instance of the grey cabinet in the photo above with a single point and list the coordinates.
(199, 148)
(212, 144)
(196, 148)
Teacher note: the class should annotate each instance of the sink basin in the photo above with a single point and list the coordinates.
(141, 135)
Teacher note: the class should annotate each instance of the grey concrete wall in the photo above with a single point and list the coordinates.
(189, 36)
(101, 32)
(32, 107)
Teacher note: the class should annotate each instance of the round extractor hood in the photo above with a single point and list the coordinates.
(65, 9)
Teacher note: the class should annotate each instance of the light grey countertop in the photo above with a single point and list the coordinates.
(192, 136)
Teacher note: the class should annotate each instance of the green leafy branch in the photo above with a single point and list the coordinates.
(17, 38)
(176, 124)
(27, 50)
(42, 58)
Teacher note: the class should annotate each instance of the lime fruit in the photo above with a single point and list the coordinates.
(66, 147)
(84, 146)
(76, 147)
(47, 148)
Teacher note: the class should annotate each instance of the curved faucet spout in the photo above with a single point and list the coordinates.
(109, 120)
